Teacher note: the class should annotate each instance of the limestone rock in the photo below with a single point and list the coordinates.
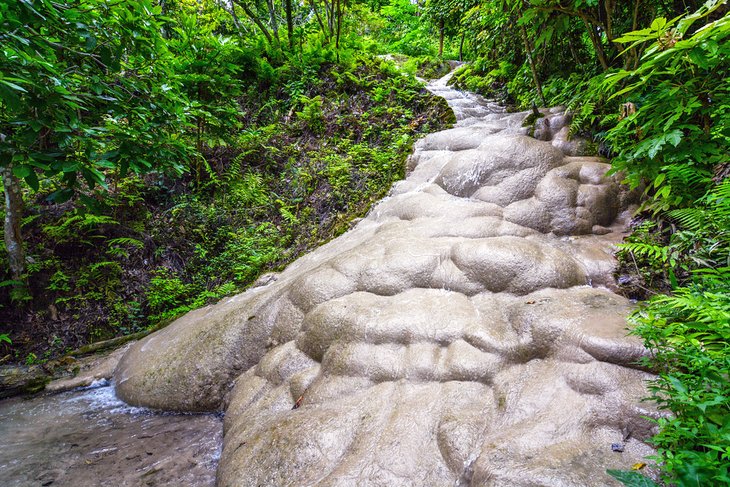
(463, 333)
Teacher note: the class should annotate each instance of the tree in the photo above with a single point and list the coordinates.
(446, 16)
(86, 91)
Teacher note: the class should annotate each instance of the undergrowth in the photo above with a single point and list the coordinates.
(319, 143)
(672, 138)
(688, 331)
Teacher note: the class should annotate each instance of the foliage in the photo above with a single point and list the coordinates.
(673, 136)
(403, 32)
(318, 143)
(632, 479)
(426, 67)
(689, 332)
(486, 77)
(311, 114)
(692, 328)
(87, 87)
(681, 126)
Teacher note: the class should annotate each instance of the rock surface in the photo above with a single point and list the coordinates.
(92, 370)
(464, 333)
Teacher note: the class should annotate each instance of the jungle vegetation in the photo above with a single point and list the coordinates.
(157, 155)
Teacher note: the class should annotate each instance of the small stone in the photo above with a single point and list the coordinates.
(617, 447)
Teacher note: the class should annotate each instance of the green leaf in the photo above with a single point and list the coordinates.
(674, 137)
(658, 24)
(11, 283)
(32, 181)
(632, 479)
(10, 97)
(659, 179)
(61, 195)
(22, 171)
(677, 384)
(13, 85)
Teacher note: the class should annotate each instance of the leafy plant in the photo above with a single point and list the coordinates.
(689, 334)
(681, 122)
(632, 479)
(311, 113)
(691, 328)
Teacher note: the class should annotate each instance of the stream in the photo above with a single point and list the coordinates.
(466, 332)
(88, 437)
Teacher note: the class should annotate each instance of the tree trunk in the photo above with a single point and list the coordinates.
(234, 16)
(596, 40)
(632, 61)
(272, 19)
(461, 47)
(573, 52)
(289, 23)
(251, 15)
(319, 21)
(528, 51)
(339, 29)
(441, 38)
(329, 7)
(13, 216)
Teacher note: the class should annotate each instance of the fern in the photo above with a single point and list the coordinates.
(584, 115)
(116, 246)
(27, 220)
(97, 267)
(234, 170)
(700, 307)
(132, 242)
(250, 191)
(684, 174)
(76, 226)
(691, 218)
(719, 199)
(644, 249)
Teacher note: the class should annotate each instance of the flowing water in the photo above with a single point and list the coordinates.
(90, 438)
(464, 333)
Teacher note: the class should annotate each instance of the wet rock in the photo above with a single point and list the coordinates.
(16, 380)
(265, 279)
(91, 370)
(89, 438)
(463, 332)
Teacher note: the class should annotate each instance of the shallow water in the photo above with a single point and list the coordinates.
(90, 438)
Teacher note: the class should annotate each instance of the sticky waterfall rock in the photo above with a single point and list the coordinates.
(463, 333)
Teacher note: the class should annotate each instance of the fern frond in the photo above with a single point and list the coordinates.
(652, 251)
(719, 200)
(691, 218)
(686, 175)
(132, 242)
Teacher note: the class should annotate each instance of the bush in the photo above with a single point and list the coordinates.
(680, 128)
